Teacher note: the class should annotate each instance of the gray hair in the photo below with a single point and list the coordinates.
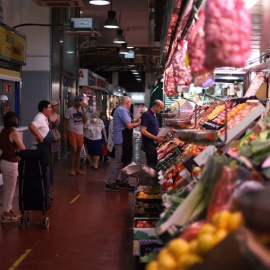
(94, 114)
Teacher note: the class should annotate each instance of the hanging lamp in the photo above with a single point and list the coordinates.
(124, 49)
(111, 22)
(119, 38)
(99, 2)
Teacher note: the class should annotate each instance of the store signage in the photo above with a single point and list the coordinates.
(8, 88)
(12, 45)
(89, 78)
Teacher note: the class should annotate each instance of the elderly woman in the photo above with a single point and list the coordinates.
(93, 138)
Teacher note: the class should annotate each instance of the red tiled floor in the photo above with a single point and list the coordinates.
(93, 233)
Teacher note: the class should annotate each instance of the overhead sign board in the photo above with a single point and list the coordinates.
(12, 45)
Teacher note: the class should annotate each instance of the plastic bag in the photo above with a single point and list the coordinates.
(83, 152)
(104, 150)
(227, 33)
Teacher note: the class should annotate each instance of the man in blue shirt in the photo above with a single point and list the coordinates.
(149, 131)
(122, 137)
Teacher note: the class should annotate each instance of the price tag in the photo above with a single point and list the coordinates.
(203, 156)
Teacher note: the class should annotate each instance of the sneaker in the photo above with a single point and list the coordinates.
(8, 217)
(14, 214)
(111, 187)
(126, 186)
(117, 182)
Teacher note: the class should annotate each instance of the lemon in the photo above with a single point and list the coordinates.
(166, 260)
(189, 259)
(236, 220)
(193, 245)
(207, 228)
(221, 219)
(152, 266)
(206, 242)
(220, 235)
(178, 247)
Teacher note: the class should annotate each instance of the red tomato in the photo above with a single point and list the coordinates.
(253, 137)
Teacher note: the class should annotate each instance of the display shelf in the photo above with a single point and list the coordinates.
(245, 123)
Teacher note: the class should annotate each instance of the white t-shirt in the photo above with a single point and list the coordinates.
(42, 125)
(75, 120)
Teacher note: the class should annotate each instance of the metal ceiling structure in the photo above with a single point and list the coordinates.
(140, 21)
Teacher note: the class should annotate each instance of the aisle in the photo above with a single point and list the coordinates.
(90, 228)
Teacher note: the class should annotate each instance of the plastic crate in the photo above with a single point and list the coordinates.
(147, 181)
(149, 245)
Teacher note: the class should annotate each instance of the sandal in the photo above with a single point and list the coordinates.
(80, 172)
(72, 173)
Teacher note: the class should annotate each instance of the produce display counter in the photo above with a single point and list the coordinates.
(204, 187)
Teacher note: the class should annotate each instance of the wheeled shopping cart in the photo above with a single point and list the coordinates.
(34, 187)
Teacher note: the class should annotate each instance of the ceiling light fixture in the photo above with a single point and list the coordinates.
(124, 49)
(130, 47)
(111, 22)
(119, 38)
(99, 2)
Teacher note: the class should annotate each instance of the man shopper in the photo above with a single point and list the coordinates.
(122, 136)
(42, 137)
(75, 118)
(149, 131)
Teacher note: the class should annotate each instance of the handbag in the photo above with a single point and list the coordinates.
(55, 135)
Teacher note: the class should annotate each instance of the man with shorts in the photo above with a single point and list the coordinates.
(74, 120)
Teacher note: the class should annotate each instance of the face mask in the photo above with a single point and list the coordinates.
(94, 120)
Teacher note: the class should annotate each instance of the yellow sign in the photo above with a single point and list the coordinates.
(12, 46)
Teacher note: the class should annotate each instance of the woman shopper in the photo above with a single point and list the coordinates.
(10, 142)
(54, 123)
(93, 138)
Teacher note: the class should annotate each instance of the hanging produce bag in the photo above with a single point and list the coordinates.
(227, 33)
(196, 46)
(169, 86)
(181, 70)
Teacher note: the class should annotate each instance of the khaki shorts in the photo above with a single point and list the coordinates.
(75, 139)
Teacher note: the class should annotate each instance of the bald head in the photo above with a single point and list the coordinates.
(158, 106)
(126, 102)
